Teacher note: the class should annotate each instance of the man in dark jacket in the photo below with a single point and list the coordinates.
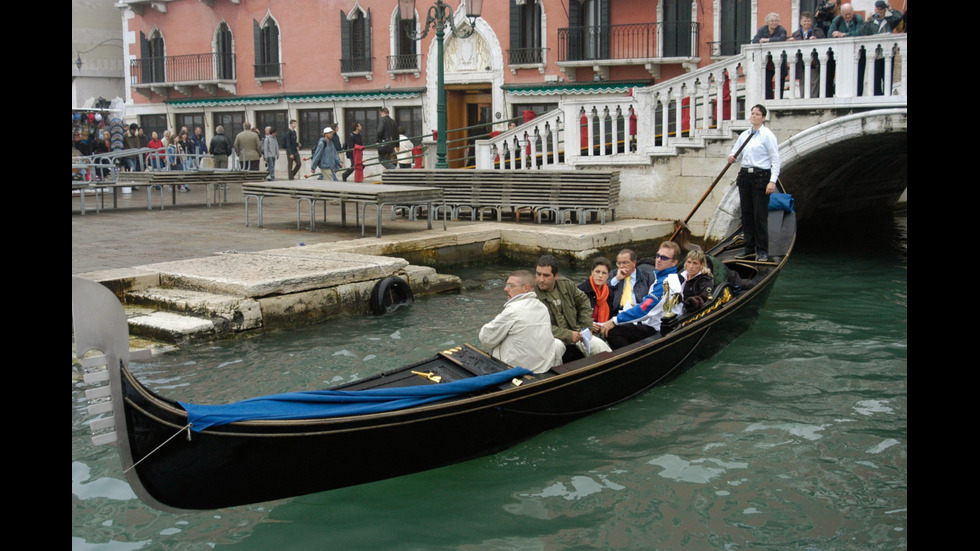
(387, 131)
(627, 276)
(220, 147)
(293, 162)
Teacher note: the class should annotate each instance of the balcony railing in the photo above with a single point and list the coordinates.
(356, 65)
(183, 68)
(629, 41)
(526, 56)
(404, 62)
(268, 70)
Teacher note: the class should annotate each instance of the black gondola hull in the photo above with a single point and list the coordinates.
(259, 461)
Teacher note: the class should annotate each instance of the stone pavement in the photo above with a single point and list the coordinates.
(132, 236)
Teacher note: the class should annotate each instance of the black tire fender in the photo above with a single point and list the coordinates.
(390, 293)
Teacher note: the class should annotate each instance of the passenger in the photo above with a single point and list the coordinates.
(597, 289)
(521, 334)
(635, 285)
(643, 320)
(697, 280)
(568, 306)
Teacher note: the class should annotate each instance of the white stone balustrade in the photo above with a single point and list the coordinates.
(682, 111)
(535, 144)
(850, 63)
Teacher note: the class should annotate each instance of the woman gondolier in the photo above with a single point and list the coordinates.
(756, 181)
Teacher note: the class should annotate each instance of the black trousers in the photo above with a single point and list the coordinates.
(755, 209)
(621, 335)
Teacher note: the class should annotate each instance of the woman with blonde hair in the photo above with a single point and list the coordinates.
(697, 280)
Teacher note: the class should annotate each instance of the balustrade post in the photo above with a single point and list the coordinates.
(678, 112)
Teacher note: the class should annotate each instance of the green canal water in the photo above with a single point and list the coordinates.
(793, 437)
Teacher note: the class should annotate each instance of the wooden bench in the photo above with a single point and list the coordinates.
(560, 193)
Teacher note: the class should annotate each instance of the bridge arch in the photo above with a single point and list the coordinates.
(852, 164)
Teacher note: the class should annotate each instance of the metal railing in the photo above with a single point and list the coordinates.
(356, 65)
(629, 41)
(404, 62)
(183, 68)
(526, 56)
(268, 70)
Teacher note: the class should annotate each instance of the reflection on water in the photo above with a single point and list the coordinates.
(794, 436)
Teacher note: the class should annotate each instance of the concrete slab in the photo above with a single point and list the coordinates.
(278, 271)
(170, 327)
(240, 314)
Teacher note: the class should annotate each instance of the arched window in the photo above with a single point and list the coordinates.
(224, 50)
(153, 59)
(266, 48)
(404, 49)
(355, 36)
(525, 33)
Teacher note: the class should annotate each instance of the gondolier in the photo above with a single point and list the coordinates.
(756, 181)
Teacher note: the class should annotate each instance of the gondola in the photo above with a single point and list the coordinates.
(173, 466)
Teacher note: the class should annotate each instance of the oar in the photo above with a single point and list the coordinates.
(678, 225)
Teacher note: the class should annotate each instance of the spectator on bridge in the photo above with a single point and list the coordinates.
(772, 31)
(847, 23)
(756, 181)
(883, 21)
(808, 32)
(825, 15)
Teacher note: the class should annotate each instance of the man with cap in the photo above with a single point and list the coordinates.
(325, 157)
(883, 21)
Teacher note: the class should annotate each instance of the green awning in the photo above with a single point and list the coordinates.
(607, 87)
(401, 93)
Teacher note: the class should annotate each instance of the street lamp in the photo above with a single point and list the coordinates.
(439, 14)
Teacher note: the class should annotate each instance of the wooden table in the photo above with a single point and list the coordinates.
(378, 195)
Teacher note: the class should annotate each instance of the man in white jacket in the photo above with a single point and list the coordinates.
(521, 334)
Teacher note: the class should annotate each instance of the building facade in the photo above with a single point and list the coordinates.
(324, 62)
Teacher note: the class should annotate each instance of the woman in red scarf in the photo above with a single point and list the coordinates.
(597, 289)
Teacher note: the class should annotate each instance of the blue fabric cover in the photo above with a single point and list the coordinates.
(317, 404)
(781, 201)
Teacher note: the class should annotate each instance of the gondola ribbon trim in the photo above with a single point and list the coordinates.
(318, 404)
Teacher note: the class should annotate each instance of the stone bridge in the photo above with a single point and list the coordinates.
(843, 147)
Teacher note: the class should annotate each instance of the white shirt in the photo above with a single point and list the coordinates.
(761, 152)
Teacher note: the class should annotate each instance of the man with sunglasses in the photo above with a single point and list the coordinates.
(643, 320)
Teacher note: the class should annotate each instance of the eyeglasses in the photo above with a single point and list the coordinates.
(664, 258)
